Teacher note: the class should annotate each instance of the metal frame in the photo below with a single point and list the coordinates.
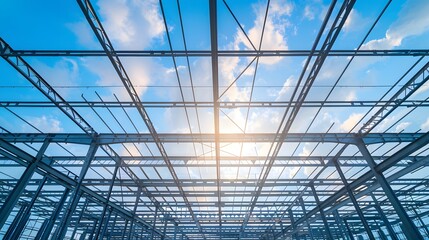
(354, 191)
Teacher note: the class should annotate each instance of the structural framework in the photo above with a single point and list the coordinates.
(231, 161)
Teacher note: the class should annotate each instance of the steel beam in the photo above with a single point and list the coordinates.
(322, 214)
(410, 230)
(75, 197)
(16, 221)
(424, 225)
(47, 230)
(216, 100)
(409, 88)
(349, 230)
(136, 203)
(220, 105)
(13, 196)
(105, 207)
(386, 222)
(18, 230)
(107, 138)
(79, 218)
(301, 202)
(353, 199)
(221, 53)
(341, 224)
(232, 161)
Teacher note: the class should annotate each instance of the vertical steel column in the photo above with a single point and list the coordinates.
(124, 231)
(54, 216)
(410, 229)
(301, 202)
(79, 218)
(83, 235)
(175, 230)
(165, 227)
(75, 197)
(106, 224)
(384, 218)
(421, 222)
(41, 229)
(139, 191)
(103, 214)
(292, 221)
(340, 223)
(353, 199)
(349, 230)
(322, 214)
(94, 226)
(142, 233)
(17, 231)
(13, 197)
(154, 223)
(109, 236)
(380, 231)
(15, 222)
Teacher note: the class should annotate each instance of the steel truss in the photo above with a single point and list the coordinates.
(353, 191)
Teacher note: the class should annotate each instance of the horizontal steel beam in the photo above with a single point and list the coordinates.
(229, 161)
(220, 53)
(190, 183)
(228, 105)
(118, 138)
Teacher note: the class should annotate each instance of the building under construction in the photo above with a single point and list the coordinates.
(214, 119)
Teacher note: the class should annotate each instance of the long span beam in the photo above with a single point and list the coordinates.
(227, 104)
(117, 138)
(221, 53)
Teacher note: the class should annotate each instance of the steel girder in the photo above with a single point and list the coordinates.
(223, 104)
(221, 53)
(118, 138)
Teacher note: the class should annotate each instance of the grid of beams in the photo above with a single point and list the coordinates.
(366, 183)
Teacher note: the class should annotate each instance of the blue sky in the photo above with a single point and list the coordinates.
(138, 25)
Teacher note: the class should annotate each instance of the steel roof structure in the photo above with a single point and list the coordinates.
(112, 171)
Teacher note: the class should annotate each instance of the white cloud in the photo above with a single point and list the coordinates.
(84, 34)
(273, 39)
(401, 126)
(274, 35)
(351, 96)
(305, 151)
(351, 121)
(132, 24)
(229, 68)
(425, 125)
(172, 70)
(413, 20)
(354, 21)
(64, 72)
(286, 87)
(308, 13)
(45, 124)
(422, 88)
